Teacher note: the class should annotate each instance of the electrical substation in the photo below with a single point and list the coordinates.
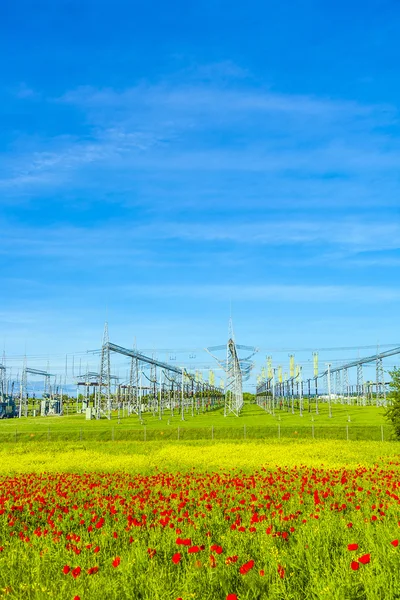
(143, 384)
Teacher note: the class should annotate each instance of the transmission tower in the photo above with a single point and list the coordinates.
(360, 384)
(234, 383)
(346, 386)
(104, 404)
(380, 383)
(134, 380)
(3, 380)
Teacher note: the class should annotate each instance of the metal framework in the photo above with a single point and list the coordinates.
(287, 392)
(168, 387)
(23, 397)
(234, 381)
(237, 371)
(3, 381)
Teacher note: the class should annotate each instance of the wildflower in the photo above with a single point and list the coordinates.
(116, 562)
(216, 549)
(395, 543)
(281, 571)
(96, 550)
(365, 559)
(92, 570)
(151, 552)
(246, 567)
(176, 558)
(183, 542)
(76, 572)
(355, 565)
(231, 597)
(77, 598)
(352, 547)
(262, 573)
(66, 569)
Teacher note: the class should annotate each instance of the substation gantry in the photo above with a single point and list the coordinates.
(276, 390)
(89, 381)
(154, 386)
(50, 403)
(237, 371)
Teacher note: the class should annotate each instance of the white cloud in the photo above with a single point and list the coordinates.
(119, 242)
(213, 124)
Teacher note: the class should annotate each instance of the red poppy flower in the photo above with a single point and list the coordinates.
(183, 541)
(116, 562)
(231, 597)
(281, 571)
(151, 552)
(92, 570)
(96, 550)
(216, 549)
(176, 558)
(352, 547)
(262, 573)
(77, 598)
(76, 572)
(365, 559)
(395, 543)
(246, 567)
(354, 565)
(66, 569)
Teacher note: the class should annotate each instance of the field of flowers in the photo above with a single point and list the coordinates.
(300, 531)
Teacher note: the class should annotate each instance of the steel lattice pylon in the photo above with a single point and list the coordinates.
(234, 382)
(104, 404)
(380, 383)
(237, 370)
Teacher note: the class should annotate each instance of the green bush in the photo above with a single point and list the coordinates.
(393, 411)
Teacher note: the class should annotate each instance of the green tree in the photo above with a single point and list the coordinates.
(393, 411)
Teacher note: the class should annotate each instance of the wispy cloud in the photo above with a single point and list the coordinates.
(222, 100)
(271, 293)
(119, 243)
(25, 92)
(190, 124)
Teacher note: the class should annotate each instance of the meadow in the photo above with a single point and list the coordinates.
(206, 520)
(347, 422)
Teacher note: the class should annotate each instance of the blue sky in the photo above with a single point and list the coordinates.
(159, 160)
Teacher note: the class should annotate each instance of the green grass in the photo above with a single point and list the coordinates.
(347, 422)
(251, 416)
